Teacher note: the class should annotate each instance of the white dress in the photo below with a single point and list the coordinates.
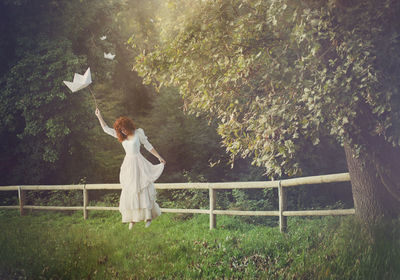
(137, 176)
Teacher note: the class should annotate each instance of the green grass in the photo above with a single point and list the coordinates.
(52, 245)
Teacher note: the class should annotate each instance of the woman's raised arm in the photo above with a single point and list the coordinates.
(103, 124)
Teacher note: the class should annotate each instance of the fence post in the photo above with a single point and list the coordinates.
(85, 202)
(282, 207)
(21, 198)
(213, 217)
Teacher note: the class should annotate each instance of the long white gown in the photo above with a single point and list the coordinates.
(137, 176)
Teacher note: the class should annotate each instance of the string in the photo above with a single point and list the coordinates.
(95, 101)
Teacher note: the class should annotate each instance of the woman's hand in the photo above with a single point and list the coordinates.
(97, 112)
(162, 160)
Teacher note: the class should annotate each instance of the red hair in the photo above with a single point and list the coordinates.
(126, 124)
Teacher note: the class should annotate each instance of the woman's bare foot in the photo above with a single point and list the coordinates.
(131, 225)
(148, 223)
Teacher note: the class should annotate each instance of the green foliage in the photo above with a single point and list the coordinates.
(39, 246)
(37, 114)
(40, 120)
(46, 130)
(193, 152)
(50, 135)
(55, 198)
(280, 75)
(190, 145)
(110, 199)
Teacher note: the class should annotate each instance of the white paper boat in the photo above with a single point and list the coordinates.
(109, 56)
(80, 81)
(103, 37)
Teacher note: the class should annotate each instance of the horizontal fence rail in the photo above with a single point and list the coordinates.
(281, 185)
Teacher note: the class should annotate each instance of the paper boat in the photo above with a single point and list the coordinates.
(80, 81)
(109, 56)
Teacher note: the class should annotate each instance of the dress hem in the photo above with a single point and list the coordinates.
(140, 214)
(138, 196)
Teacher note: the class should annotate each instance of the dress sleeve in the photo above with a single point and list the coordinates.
(110, 131)
(143, 139)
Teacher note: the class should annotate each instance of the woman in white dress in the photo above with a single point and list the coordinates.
(137, 174)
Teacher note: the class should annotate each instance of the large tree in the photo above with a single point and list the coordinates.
(279, 75)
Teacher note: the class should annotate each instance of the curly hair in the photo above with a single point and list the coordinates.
(126, 124)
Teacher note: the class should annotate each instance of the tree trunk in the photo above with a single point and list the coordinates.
(375, 180)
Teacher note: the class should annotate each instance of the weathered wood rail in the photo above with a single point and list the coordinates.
(281, 185)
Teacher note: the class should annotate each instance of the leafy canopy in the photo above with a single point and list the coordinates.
(279, 75)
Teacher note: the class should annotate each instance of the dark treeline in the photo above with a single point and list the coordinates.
(51, 136)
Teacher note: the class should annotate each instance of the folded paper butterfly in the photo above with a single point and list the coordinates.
(103, 37)
(109, 56)
(80, 81)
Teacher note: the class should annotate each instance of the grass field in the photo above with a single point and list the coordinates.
(52, 245)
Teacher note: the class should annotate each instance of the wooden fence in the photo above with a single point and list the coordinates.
(282, 213)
